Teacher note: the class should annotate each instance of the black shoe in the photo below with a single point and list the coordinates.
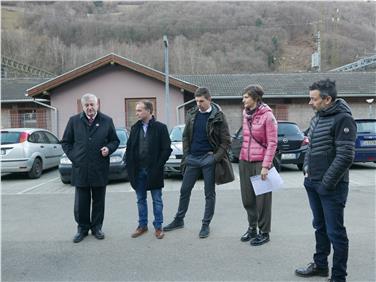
(175, 224)
(260, 239)
(98, 234)
(204, 232)
(79, 236)
(249, 234)
(312, 270)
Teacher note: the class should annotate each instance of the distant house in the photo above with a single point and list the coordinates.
(119, 83)
(17, 110)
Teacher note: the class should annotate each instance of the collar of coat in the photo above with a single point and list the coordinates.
(139, 123)
(84, 117)
(215, 114)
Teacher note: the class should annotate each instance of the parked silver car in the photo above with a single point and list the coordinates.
(29, 150)
(172, 166)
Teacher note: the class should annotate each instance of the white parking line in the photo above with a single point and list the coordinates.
(36, 186)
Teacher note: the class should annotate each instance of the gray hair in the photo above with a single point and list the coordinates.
(88, 96)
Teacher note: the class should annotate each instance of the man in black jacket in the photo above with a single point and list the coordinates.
(88, 141)
(332, 135)
(148, 149)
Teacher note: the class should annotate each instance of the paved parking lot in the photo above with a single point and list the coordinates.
(38, 226)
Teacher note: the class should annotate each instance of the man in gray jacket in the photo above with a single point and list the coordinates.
(332, 135)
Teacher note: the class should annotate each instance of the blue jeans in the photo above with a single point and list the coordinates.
(142, 204)
(195, 165)
(328, 211)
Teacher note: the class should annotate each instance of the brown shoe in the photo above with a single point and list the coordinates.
(159, 233)
(139, 231)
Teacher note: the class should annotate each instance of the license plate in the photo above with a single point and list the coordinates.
(369, 143)
(288, 156)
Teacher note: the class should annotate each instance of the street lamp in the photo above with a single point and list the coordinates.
(167, 88)
(370, 101)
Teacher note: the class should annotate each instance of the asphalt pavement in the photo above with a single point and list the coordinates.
(38, 227)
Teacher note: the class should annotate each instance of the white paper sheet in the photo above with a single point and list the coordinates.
(272, 182)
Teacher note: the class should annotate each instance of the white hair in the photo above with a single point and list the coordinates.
(87, 97)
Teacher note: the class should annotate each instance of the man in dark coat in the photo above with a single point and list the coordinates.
(148, 149)
(88, 141)
(206, 139)
(331, 151)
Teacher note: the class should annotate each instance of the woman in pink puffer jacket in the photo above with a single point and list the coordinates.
(259, 145)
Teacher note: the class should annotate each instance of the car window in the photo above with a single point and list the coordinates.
(123, 137)
(366, 127)
(38, 137)
(51, 139)
(10, 137)
(176, 134)
(288, 129)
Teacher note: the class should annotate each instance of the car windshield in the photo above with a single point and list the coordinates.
(9, 137)
(288, 129)
(366, 127)
(122, 136)
(176, 134)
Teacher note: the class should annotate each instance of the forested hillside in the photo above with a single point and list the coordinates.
(204, 37)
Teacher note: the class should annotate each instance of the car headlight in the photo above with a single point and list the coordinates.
(116, 159)
(65, 161)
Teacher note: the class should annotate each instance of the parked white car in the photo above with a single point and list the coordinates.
(29, 150)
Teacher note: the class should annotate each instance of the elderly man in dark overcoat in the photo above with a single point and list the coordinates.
(88, 141)
(148, 149)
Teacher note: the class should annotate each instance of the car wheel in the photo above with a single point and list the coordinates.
(300, 166)
(36, 169)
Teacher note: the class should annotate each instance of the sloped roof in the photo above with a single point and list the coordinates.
(13, 89)
(108, 59)
(285, 84)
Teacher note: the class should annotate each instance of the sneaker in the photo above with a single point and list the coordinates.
(139, 231)
(175, 224)
(260, 239)
(204, 232)
(251, 233)
(312, 270)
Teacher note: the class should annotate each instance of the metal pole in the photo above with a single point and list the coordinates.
(319, 51)
(167, 88)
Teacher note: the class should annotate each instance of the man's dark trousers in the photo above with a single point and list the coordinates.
(194, 166)
(82, 204)
(328, 213)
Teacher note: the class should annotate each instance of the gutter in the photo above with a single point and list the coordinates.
(23, 101)
(52, 108)
(179, 107)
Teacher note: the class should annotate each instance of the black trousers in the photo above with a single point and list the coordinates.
(86, 198)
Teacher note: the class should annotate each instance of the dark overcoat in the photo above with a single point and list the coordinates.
(82, 143)
(159, 149)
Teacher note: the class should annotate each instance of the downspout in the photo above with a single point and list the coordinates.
(55, 111)
(180, 106)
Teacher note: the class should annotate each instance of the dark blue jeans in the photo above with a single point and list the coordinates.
(195, 165)
(328, 212)
(142, 204)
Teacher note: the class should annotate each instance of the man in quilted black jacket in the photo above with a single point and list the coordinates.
(332, 135)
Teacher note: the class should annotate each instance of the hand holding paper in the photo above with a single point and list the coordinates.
(272, 182)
